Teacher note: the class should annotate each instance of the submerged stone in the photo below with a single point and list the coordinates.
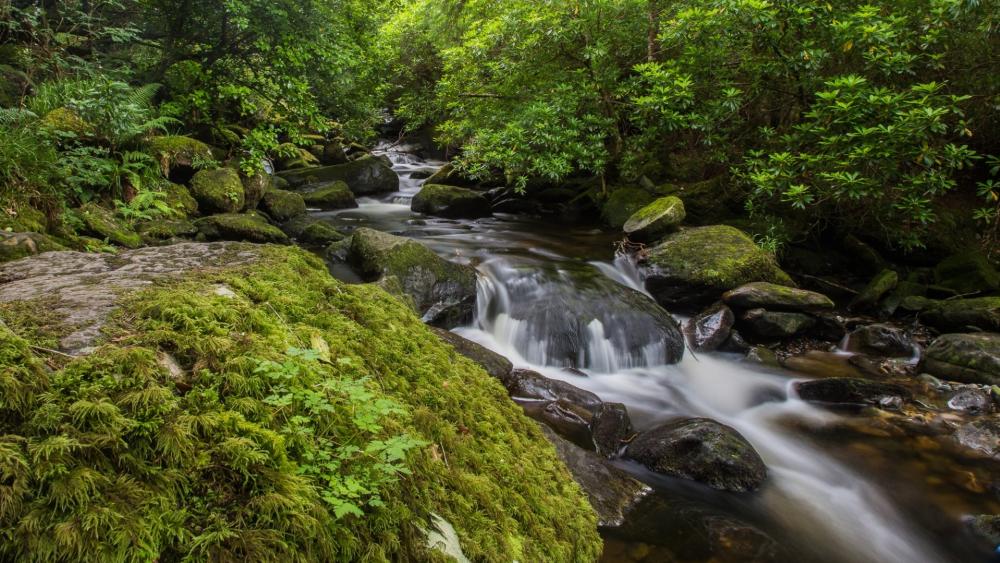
(702, 450)
(696, 266)
(851, 391)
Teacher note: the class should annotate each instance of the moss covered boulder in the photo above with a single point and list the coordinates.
(22, 218)
(329, 196)
(967, 273)
(240, 227)
(451, 202)
(312, 231)
(366, 176)
(702, 450)
(960, 315)
(228, 369)
(282, 205)
(622, 204)
(776, 297)
(14, 246)
(970, 358)
(167, 230)
(254, 187)
(66, 121)
(179, 198)
(103, 224)
(443, 292)
(656, 219)
(218, 191)
(694, 267)
(179, 156)
(879, 286)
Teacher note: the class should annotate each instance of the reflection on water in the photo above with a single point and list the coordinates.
(839, 490)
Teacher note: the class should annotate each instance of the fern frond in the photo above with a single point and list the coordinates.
(143, 95)
(16, 116)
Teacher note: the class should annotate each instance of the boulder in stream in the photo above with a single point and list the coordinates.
(695, 266)
(610, 427)
(701, 450)
(656, 219)
(711, 328)
(443, 292)
(763, 324)
(852, 391)
(531, 385)
(368, 175)
(881, 340)
(329, 196)
(776, 297)
(969, 358)
(451, 202)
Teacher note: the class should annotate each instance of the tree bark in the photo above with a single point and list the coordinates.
(653, 32)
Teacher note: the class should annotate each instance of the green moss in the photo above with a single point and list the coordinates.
(622, 203)
(320, 234)
(969, 272)
(179, 199)
(332, 195)
(238, 226)
(718, 256)
(219, 190)
(65, 120)
(178, 151)
(709, 201)
(19, 217)
(450, 201)
(36, 321)
(283, 205)
(102, 223)
(211, 470)
(656, 219)
(165, 230)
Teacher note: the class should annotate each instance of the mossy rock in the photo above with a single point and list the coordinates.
(312, 231)
(14, 246)
(969, 358)
(102, 223)
(443, 292)
(66, 120)
(959, 315)
(879, 286)
(330, 196)
(656, 219)
(240, 227)
(179, 198)
(283, 205)
(167, 230)
(622, 204)
(179, 155)
(212, 436)
(967, 273)
(447, 175)
(776, 297)
(22, 218)
(254, 187)
(218, 191)
(333, 153)
(450, 201)
(694, 267)
(365, 176)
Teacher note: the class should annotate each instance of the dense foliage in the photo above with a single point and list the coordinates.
(822, 109)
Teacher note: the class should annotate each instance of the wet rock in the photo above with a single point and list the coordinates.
(962, 315)
(329, 196)
(969, 272)
(14, 246)
(735, 343)
(282, 205)
(982, 435)
(969, 358)
(449, 176)
(103, 224)
(610, 427)
(880, 285)
(656, 219)
(82, 289)
(240, 227)
(701, 450)
(312, 231)
(443, 292)
(451, 202)
(881, 340)
(986, 526)
(818, 363)
(367, 175)
(494, 364)
(569, 420)
(695, 266)
(527, 384)
(622, 204)
(971, 399)
(218, 191)
(774, 297)
(586, 320)
(851, 391)
(611, 491)
(763, 356)
(763, 324)
(711, 328)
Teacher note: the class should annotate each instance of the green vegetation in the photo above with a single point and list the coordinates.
(296, 419)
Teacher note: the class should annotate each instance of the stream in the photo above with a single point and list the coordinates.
(839, 490)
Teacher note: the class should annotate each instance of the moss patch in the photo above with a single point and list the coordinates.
(237, 226)
(213, 468)
(656, 219)
(177, 151)
(332, 195)
(283, 205)
(219, 190)
(179, 199)
(103, 224)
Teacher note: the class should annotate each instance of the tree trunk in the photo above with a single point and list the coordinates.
(653, 31)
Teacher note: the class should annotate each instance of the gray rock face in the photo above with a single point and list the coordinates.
(711, 328)
(701, 450)
(969, 358)
(83, 288)
(494, 364)
(611, 491)
(775, 297)
(442, 291)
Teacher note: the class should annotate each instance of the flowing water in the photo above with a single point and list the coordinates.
(841, 489)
